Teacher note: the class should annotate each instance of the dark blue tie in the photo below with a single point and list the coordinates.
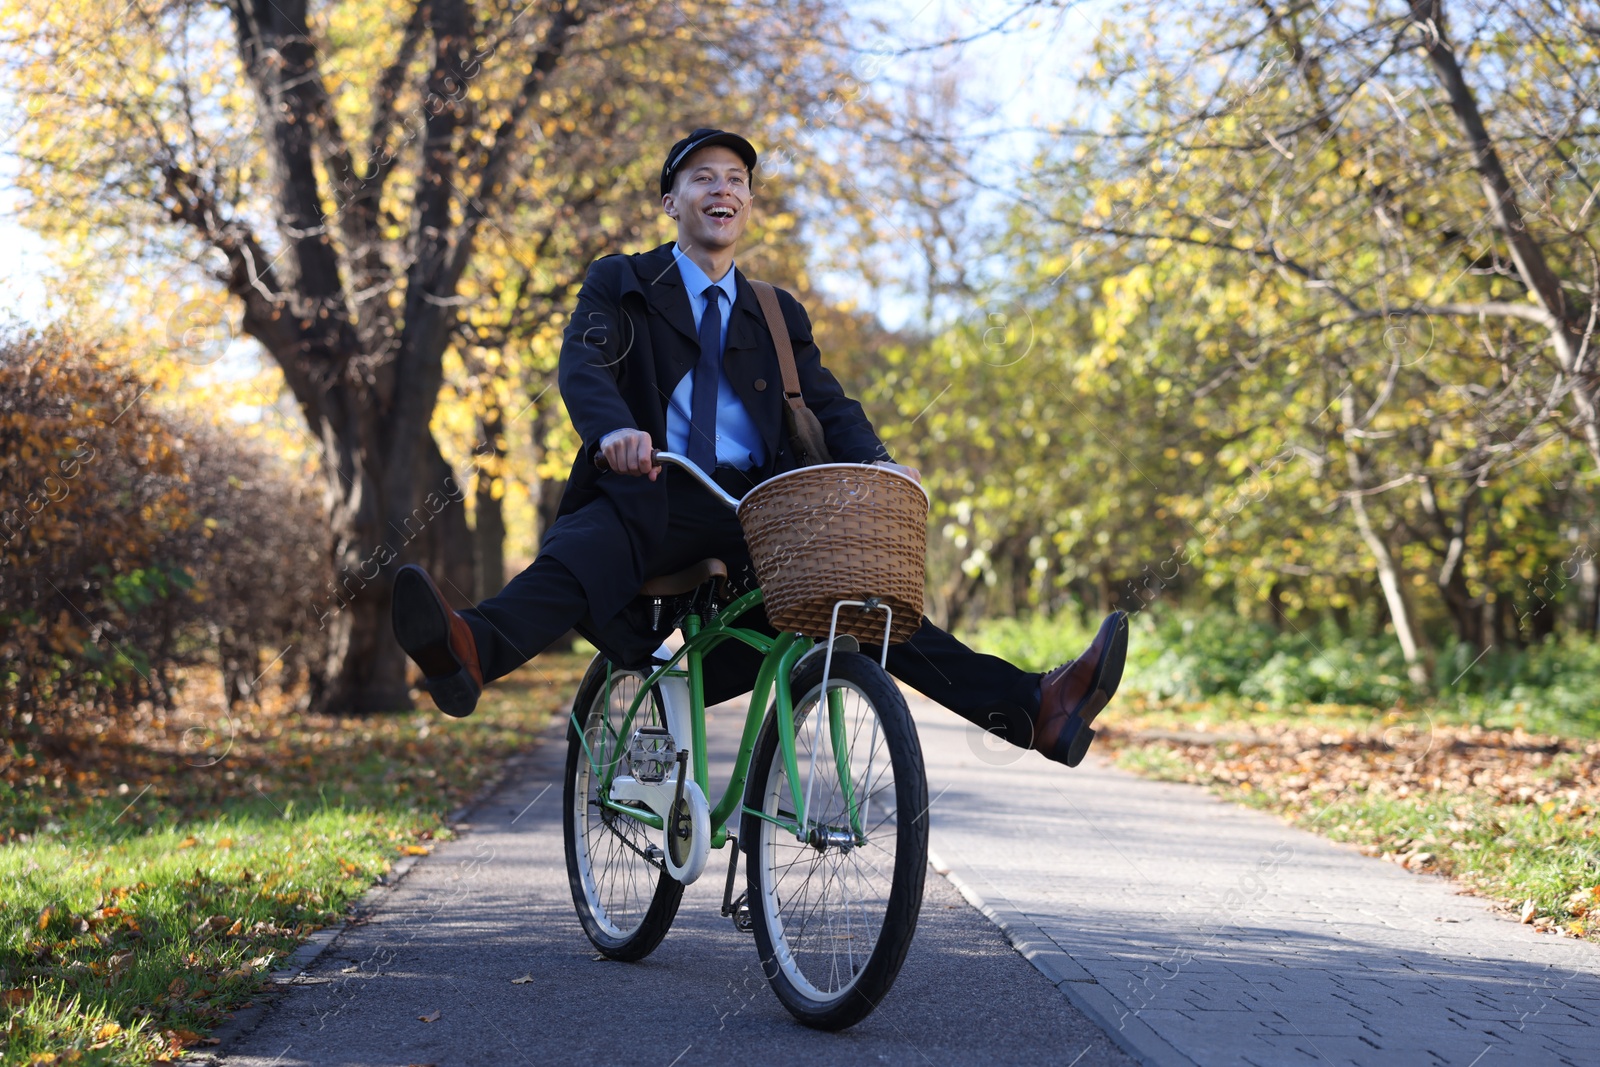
(703, 408)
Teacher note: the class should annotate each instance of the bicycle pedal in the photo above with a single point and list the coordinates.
(651, 753)
(740, 914)
(654, 854)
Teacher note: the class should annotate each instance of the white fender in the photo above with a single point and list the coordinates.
(674, 692)
(699, 836)
(658, 796)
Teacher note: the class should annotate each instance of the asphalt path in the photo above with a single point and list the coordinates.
(431, 975)
(1206, 933)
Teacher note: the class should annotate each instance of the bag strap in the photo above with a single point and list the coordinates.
(768, 296)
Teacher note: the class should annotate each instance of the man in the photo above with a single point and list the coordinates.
(669, 349)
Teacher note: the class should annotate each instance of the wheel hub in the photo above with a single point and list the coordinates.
(823, 838)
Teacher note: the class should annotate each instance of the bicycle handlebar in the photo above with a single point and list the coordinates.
(665, 459)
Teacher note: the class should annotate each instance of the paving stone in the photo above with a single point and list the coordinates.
(1234, 938)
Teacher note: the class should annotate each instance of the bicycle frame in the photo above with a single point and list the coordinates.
(780, 654)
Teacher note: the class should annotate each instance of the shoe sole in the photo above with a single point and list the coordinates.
(456, 696)
(1107, 677)
(421, 626)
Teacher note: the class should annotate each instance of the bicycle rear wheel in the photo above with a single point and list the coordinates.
(834, 912)
(625, 898)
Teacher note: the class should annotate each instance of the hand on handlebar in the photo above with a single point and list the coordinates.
(630, 452)
(910, 472)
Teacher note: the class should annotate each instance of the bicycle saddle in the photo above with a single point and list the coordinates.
(688, 580)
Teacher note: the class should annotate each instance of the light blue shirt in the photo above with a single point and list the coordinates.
(739, 443)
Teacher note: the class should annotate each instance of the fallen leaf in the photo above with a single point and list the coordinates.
(1529, 906)
(12, 997)
(432, 1017)
(524, 980)
(414, 850)
(44, 917)
(189, 842)
(109, 1030)
(120, 961)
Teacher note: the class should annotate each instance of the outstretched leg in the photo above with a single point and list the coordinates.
(1050, 713)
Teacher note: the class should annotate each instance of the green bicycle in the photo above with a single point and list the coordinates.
(828, 785)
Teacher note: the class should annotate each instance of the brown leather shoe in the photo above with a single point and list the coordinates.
(438, 640)
(1074, 693)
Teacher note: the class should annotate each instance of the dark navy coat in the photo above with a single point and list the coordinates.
(628, 344)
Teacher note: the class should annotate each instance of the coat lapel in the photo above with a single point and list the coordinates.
(663, 286)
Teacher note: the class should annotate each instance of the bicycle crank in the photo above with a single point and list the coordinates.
(685, 817)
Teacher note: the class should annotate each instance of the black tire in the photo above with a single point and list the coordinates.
(791, 884)
(626, 900)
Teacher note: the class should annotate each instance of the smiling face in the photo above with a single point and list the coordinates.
(710, 199)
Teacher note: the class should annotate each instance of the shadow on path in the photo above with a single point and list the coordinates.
(494, 906)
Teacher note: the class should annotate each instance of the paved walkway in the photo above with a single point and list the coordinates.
(493, 906)
(1199, 932)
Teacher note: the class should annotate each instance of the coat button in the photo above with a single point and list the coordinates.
(761, 384)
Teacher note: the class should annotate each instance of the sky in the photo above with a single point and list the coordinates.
(1021, 77)
(23, 260)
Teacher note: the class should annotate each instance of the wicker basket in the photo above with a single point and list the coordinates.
(839, 531)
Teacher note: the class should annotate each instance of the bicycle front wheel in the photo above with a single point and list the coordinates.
(625, 898)
(834, 901)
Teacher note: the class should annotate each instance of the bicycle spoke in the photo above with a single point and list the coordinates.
(829, 903)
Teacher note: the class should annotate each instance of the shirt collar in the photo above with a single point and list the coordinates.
(696, 280)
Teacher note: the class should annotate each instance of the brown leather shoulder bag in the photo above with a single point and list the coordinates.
(805, 431)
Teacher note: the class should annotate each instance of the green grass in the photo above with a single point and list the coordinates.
(1551, 688)
(163, 929)
(146, 895)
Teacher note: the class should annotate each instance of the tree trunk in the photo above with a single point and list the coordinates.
(364, 671)
(1588, 596)
(1389, 577)
(365, 373)
(448, 542)
(546, 492)
(1569, 325)
(1466, 611)
(489, 542)
(1393, 592)
(489, 530)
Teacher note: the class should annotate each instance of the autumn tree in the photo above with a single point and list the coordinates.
(342, 164)
(1364, 237)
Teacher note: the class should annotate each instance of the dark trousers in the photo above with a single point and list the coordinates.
(546, 600)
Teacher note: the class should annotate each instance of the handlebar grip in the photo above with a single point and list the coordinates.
(603, 464)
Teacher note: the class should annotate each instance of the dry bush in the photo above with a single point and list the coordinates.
(259, 557)
(133, 545)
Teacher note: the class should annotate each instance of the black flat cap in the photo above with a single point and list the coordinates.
(704, 138)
